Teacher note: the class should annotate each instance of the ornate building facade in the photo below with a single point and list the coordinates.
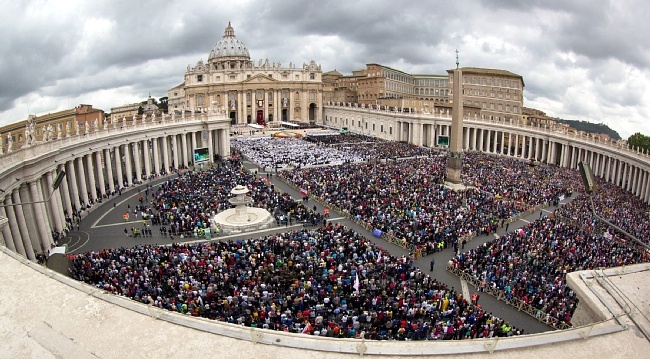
(250, 93)
(498, 93)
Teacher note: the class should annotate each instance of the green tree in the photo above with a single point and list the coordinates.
(639, 140)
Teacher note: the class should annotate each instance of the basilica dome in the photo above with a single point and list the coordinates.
(229, 47)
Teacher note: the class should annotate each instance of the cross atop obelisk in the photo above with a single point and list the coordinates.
(455, 159)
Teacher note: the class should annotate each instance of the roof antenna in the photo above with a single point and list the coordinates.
(457, 59)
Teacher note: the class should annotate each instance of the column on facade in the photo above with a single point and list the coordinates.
(210, 146)
(165, 153)
(241, 105)
(545, 150)
(467, 144)
(277, 106)
(304, 110)
(14, 225)
(83, 188)
(118, 167)
(538, 148)
(529, 153)
(100, 172)
(128, 153)
(224, 143)
(44, 232)
(110, 177)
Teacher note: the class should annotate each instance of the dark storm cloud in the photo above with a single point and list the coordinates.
(113, 52)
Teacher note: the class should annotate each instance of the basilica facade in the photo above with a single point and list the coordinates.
(262, 93)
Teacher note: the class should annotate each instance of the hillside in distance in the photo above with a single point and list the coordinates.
(590, 127)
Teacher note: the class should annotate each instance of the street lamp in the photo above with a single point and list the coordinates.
(588, 181)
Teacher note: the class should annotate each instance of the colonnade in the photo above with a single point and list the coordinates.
(106, 164)
(619, 165)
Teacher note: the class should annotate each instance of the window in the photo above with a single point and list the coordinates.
(270, 96)
(218, 78)
(491, 106)
(285, 76)
(231, 96)
(373, 127)
(199, 100)
(312, 76)
(259, 95)
(297, 77)
(390, 130)
(248, 96)
(232, 77)
(312, 95)
(199, 78)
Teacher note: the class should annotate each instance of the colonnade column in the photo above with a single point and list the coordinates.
(175, 151)
(156, 155)
(91, 178)
(184, 148)
(466, 144)
(27, 230)
(45, 233)
(109, 170)
(6, 231)
(118, 167)
(18, 240)
(55, 207)
(128, 164)
(65, 193)
(82, 182)
(165, 153)
(147, 157)
(100, 172)
(138, 162)
(530, 147)
(503, 142)
(72, 185)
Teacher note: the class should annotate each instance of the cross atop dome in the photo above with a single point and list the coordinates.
(229, 30)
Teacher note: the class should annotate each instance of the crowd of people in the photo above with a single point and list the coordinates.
(327, 281)
(330, 281)
(274, 153)
(187, 202)
(370, 148)
(407, 198)
(531, 264)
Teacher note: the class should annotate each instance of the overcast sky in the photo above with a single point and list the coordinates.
(581, 60)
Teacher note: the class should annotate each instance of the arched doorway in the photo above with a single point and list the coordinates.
(233, 118)
(285, 115)
(312, 113)
(260, 117)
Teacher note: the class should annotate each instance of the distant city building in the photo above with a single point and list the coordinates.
(250, 93)
(537, 118)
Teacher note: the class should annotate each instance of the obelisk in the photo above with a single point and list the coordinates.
(455, 159)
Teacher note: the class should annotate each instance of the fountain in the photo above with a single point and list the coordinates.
(242, 218)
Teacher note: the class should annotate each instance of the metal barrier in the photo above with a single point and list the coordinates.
(500, 295)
